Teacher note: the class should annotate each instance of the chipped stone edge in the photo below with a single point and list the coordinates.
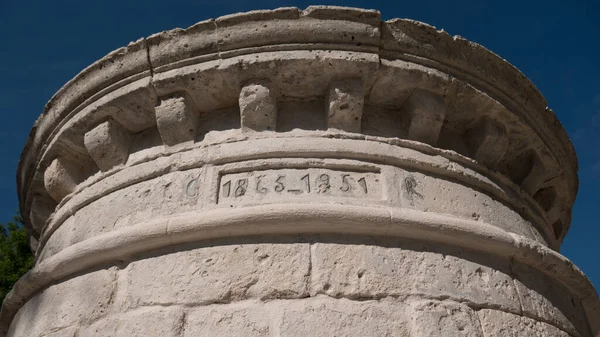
(135, 60)
(112, 247)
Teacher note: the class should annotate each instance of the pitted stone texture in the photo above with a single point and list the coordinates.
(345, 105)
(177, 119)
(325, 317)
(443, 319)
(79, 300)
(427, 112)
(546, 298)
(536, 176)
(498, 323)
(429, 193)
(399, 268)
(243, 319)
(258, 106)
(61, 178)
(66, 332)
(488, 141)
(218, 274)
(163, 322)
(172, 193)
(41, 208)
(108, 144)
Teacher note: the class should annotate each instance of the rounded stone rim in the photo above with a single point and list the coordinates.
(134, 61)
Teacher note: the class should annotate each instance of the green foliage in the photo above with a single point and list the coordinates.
(15, 255)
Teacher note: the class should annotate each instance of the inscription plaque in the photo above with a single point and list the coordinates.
(298, 183)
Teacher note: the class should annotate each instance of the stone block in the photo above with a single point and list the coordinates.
(78, 300)
(443, 319)
(218, 274)
(345, 101)
(108, 144)
(258, 106)
(500, 323)
(247, 319)
(398, 268)
(325, 317)
(66, 332)
(163, 322)
(172, 193)
(61, 178)
(41, 208)
(536, 176)
(426, 111)
(488, 141)
(176, 119)
(544, 298)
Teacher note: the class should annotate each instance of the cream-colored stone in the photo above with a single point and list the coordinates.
(67, 332)
(324, 317)
(177, 119)
(222, 273)
(345, 105)
(258, 106)
(249, 320)
(147, 322)
(499, 323)
(79, 300)
(375, 269)
(416, 177)
(108, 144)
(172, 193)
(60, 178)
(443, 319)
(545, 298)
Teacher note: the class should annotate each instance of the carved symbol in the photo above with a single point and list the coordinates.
(410, 183)
(260, 189)
(240, 188)
(280, 187)
(324, 183)
(363, 183)
(345, 185)
(191, 189)
(227, 189)
(306, 180)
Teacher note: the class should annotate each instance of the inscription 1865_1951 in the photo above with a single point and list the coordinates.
(312, 182)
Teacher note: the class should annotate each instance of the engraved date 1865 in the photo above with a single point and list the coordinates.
(298, 182)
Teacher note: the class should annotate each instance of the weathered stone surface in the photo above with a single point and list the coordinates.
(169, 194)
(324, 317)
(398, 268)
(258, 106)
(177, 119)
(545, 298)
(108, 144)
(61, 178)
(499, 323)
(156, 321)
(488, 141)
(79, 300)
(345, 105)
(41, 208)
(244, 319)
(294, 172)
(218, 274)
(441, 319)
(427, 112)
(66, 332)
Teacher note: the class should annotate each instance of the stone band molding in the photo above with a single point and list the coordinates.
(286, 123)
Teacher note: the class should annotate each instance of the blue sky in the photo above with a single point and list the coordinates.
(555, 43)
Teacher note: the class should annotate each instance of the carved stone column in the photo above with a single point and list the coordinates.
(293, 172)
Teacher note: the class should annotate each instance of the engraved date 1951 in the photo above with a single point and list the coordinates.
(298, 182)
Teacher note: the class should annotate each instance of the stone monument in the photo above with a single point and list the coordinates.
(289, 172)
